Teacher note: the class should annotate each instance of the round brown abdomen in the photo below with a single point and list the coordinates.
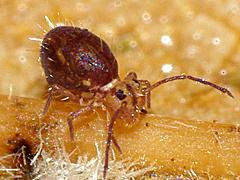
(77, 59)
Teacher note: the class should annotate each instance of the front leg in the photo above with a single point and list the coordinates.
(110, 136)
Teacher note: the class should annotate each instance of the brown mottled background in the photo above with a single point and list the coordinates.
(200, 38)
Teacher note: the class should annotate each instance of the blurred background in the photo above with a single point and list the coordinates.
(156, 39)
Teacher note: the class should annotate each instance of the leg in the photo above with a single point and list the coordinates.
(53, 89)
(180, 77)
(133, 93)
(73, 116)
(147, 91)
(62, 91)
(109, 137)
(49, 99)
(116, 144)
(131, 75)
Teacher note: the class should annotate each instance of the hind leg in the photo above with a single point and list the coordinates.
(73, 116)
(59, 90)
